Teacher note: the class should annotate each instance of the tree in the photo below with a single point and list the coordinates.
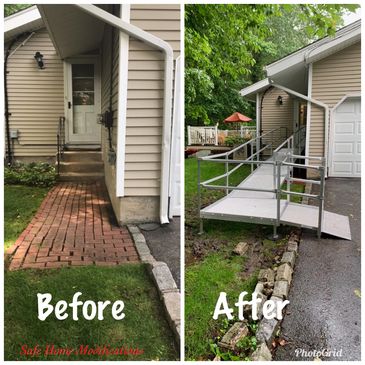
(10, 9)
(227, 45)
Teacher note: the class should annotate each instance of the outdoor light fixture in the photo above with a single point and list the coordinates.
(39, 58)
(280, 100)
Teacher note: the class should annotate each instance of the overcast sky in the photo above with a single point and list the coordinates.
(352, 17)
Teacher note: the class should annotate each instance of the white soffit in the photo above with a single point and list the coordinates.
(73, 32)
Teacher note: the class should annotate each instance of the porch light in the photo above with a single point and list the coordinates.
(39, 58)
(280, 100)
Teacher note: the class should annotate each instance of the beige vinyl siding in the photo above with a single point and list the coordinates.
(333, 78)
(35, 97)
(275, 115)
(145, 98)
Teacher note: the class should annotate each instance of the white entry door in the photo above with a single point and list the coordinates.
(83, 101)
(345, 144)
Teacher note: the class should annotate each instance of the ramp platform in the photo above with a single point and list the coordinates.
(263, 207)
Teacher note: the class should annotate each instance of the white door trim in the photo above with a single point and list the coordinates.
(68, 91)
(331, 128)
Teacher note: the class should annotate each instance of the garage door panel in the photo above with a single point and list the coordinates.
(345, 159)
(344, 148)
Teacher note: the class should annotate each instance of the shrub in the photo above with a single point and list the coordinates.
(32, 174)
(235, 140)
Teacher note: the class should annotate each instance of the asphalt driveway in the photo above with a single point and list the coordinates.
(324, 311)
(164, 243)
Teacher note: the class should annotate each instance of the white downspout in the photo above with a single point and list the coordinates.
(163, 46)
(122, 101)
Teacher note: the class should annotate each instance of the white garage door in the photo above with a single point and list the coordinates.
(345, 159)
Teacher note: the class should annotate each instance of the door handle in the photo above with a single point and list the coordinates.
(69, 105)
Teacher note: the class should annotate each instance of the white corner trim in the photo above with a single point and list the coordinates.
(309, 111)
(122, 101)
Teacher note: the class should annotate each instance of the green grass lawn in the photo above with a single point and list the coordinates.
(144, 326)
(20, 205)
(216, 270)
(211, 267)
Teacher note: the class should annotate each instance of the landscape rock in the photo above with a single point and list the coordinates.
(241, 248)
(259, 288)
(236, 333)
(268, 291)
(276, 300)
(281, 289)
(256, 247)
(285, 273)
(163, 278)
(262, 353)
(267, 330)
(266, 275)
(288, 257)
(293, 246)
(261, 305)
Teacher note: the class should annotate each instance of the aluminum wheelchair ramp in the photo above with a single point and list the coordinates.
(257, 198)
(263, 211)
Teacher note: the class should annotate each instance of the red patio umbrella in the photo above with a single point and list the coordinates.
(237, 118)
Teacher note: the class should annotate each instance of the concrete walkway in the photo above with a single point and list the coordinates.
(74, 225)
(324, 311)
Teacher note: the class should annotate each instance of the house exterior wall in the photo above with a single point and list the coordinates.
(274, 115)
(35, 98)
(144, 112)
(332, 78)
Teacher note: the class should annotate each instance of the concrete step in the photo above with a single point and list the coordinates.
(83, 147)
(80, 156)
(81, 176)
(82, 166)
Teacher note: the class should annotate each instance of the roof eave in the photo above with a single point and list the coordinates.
(250, 91)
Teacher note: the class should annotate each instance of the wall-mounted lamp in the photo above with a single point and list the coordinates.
(280, 100)
(39, 58)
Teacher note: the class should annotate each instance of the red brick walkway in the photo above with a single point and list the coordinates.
(73, 226)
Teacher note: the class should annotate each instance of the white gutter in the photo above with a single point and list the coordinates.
(122, 101)
(163, 46)
(316, 102)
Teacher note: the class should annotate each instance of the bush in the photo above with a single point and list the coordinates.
(32, 174)
(235, 140)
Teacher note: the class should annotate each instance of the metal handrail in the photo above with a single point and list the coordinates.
(61, 141)
(277, 166)
(251, 141)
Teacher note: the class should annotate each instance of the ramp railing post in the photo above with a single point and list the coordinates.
(321, 199)
(199, 199)
(227, 176)
(288, 177)
(278, 194)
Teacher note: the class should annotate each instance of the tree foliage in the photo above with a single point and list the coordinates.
(10, 9)
(226, 47)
